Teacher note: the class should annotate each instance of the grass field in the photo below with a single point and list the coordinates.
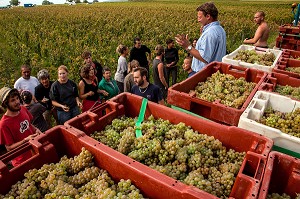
(48, 36)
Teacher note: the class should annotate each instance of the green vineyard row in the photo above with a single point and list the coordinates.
(49, 36)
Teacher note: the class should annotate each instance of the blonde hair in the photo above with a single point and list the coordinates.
(63, 67)
(121, 49)
(159, 50)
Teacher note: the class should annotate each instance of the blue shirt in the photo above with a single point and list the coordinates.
(211, 45)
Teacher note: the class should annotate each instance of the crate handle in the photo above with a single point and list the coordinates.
(10, 155)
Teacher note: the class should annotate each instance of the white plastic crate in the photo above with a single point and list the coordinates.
(229, 58)
(255, 111)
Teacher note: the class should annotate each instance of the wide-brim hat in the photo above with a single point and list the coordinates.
(4, 93)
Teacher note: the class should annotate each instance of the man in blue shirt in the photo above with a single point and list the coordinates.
(211, 46)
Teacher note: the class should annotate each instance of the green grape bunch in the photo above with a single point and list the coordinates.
(224, 88)
(251, 56)
(178, 151)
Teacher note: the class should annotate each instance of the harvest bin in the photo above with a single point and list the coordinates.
(61, 140)
(229, 58)
(288, 59)
(281, 175)
(257, 147)
(260, 102)
(275, 79)
(178, 95)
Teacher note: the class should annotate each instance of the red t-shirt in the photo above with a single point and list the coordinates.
(15, 129)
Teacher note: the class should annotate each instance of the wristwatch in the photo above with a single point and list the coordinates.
(189, 48)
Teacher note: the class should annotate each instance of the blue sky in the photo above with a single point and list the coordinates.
(39, 2)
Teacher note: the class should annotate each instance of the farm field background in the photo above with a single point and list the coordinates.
(49, 36)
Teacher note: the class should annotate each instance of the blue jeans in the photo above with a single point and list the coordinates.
(64, 116)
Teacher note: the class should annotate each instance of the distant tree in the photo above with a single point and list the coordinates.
(85, 1)
(46, 2)
(95, 1)
(77, 1)
(14, 2)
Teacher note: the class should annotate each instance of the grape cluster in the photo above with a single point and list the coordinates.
(293, 69)
(71, 178)
(251, 56)
(179, 152)
(285, 122)
(226, 89)
(289, 91)
(283, 196)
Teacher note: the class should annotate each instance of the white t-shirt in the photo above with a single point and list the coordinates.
(27, 84)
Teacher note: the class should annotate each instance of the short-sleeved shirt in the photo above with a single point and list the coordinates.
(15, 129)
(27, 84)
(211, 45)
(65, 93)
(139, 54)
(121, 69)
(152, 92)
(109, 86)
(41, 92)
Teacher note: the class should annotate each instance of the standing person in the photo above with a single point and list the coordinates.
(36, 109)
(171, 58)
(88, 87)
(159, 71)
(261, 36)
(122, 66)
(64, 96)
(42, 92)
(15, 124)
(138, 52)
(26, 82)
(145, 89)
(87, 56)
(187, 63)
(129, 81)
(211, 46)
(108, 84)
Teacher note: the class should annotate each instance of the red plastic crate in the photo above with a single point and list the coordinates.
(61, 140)
(289, 29)
(286, 43)
(274, 79)
(282, 175)
(286, 61)
(178, 95)
(257, 147)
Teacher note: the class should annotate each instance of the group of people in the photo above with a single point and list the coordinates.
(34, 104)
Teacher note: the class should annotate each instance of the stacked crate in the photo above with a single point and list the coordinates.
(288, 37)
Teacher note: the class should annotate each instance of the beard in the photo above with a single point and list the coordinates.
(15, 108)
(140, 83)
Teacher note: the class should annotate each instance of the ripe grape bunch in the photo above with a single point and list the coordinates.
(293, 69)
(177, 151)
(251, 56)
(285, 122)
(283, 196)
(229, 90)
(289, 91)
(71, 178)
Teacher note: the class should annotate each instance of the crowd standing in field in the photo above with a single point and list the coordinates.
(51, 102)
